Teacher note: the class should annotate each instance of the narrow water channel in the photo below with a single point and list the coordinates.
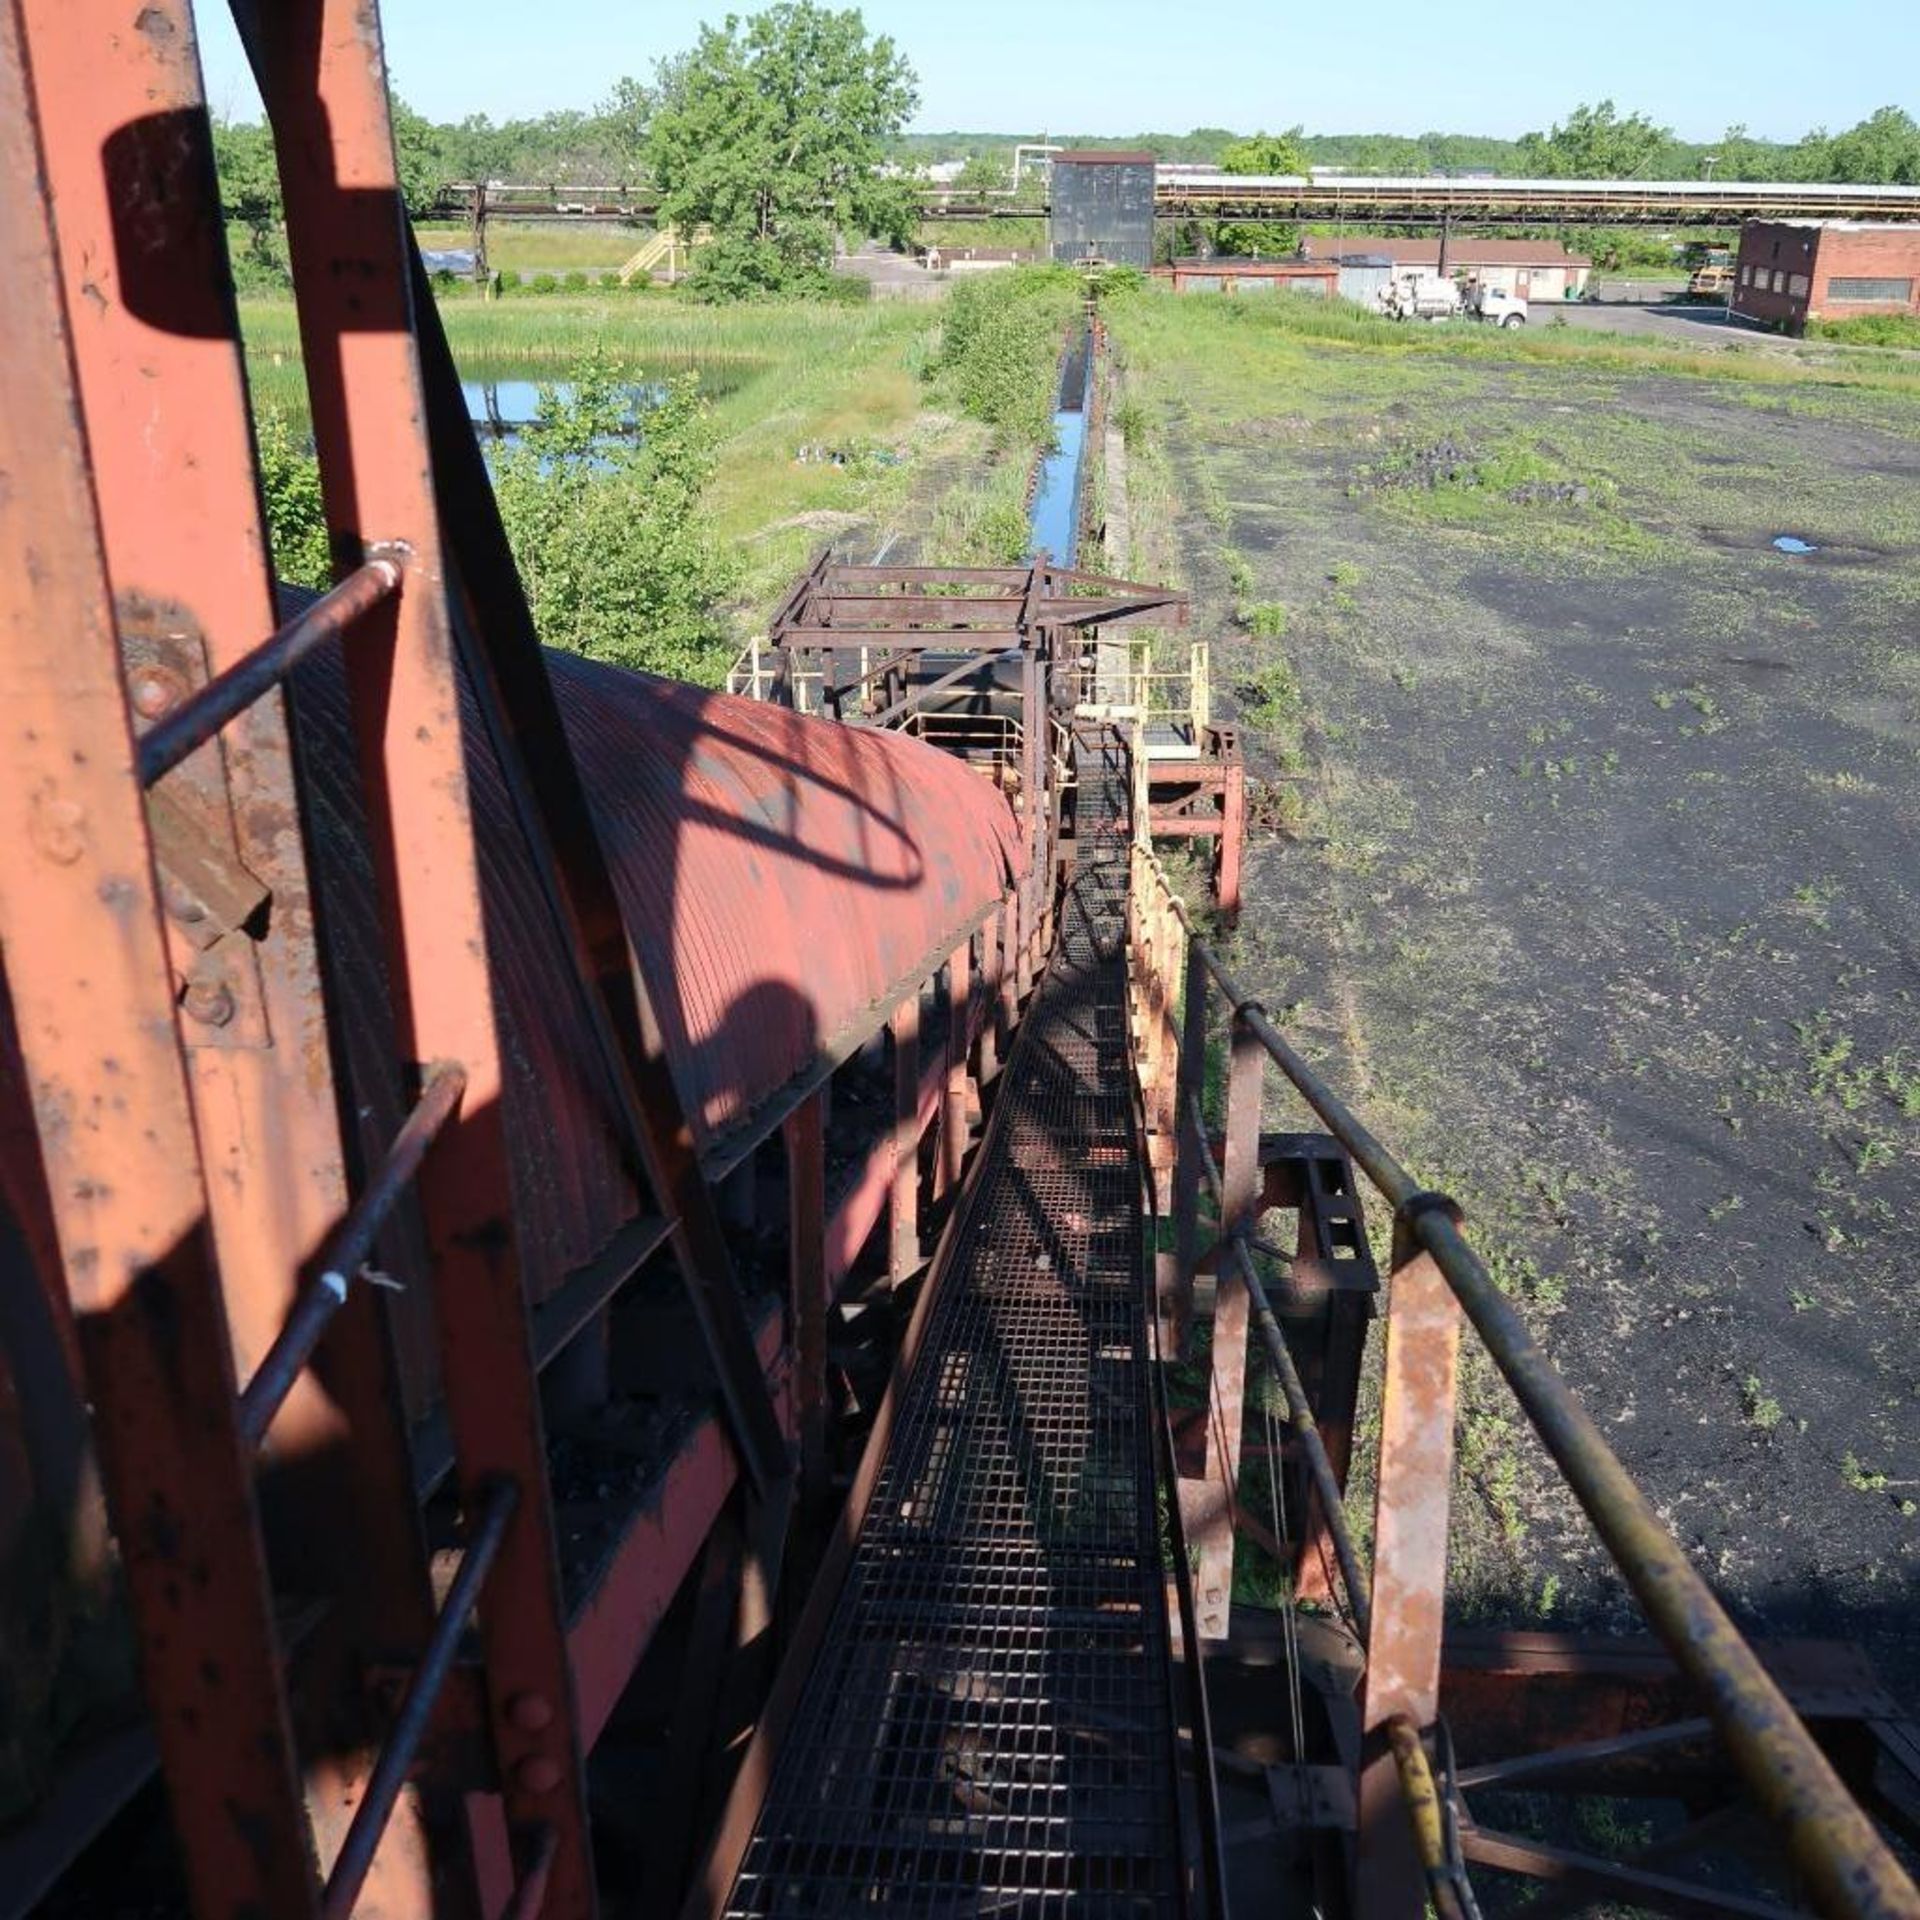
(1054, 525)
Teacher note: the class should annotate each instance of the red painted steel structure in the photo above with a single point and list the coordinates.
(214, 1082)
(403, 940)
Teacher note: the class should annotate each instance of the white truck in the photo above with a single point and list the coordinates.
(1497, 306)
(1419, 296)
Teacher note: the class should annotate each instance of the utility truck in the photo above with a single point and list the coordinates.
(1498, 306)
(1419, 296)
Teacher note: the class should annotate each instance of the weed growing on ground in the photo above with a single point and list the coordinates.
(1862, 1478)
(1758, 1406)
(1270, 698)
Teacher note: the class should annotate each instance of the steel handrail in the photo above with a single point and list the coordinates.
(1299, 1408)
(1848, 1868)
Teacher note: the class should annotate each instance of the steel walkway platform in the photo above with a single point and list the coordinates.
(989, 1726)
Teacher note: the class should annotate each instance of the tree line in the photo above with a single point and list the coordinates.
(782, 130)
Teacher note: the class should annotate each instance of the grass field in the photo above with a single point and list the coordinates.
(1602, 900)
(525, 246)
(847, 379)
(1009, 230)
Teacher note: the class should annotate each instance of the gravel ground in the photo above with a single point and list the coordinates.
(1603, 904)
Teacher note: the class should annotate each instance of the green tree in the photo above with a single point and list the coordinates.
(605, 511)
(1260, 153)
(1883, 150)
(1597, 143)
(420, 157)
(1741, 157)
(771, 131)
(249, 179)
(988, 171)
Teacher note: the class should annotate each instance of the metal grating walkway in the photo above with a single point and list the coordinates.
(989, 1725)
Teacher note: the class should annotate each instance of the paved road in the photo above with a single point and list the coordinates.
(1686, 323)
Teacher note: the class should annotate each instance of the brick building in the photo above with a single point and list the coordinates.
(1791, 271)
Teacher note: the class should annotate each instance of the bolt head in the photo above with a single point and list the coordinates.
(154, 691)
(530, 1712)
(211, 1003)
(537, 1773)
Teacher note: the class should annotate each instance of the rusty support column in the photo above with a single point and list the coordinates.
(805, 1131)
(1166, 1048)
(1171, 969)
(93, 1001)
(162, 387)
(1007, 1014)
(903, 1226)
(1409, 1548)
(1212, 1539)
(1191, 1151)
(323, 78)
(986, 1054)
(1033, 713)
(959, 1101)
(1233, 838)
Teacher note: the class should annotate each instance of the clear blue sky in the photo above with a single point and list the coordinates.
(1395, 66)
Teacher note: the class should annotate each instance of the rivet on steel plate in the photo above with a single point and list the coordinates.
(530, 1712)
(154, 691)
(209, 1002)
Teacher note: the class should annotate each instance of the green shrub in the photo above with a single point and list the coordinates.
(576, 282)
(1130, 416)
(1264, 619)
(610, 527)
(1870, 330)
(507, 280)
(1000, 346)
(296, 516)
(543, 283)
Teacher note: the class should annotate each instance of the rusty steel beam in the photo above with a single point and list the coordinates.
(1598, 1878)
(612, 1625)
(322, 75)
(868, 1192)
(384, 1785)
(903, 1257)
(1407, 1606)
(916, 698)
(908, 638)
(1190, 1151)
(347, 1252)
(1412, 1495)
(954, 1122)
(808, 1288)
(1210, 1507)
(90, 980)
(1233, 840)
(143, 249)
